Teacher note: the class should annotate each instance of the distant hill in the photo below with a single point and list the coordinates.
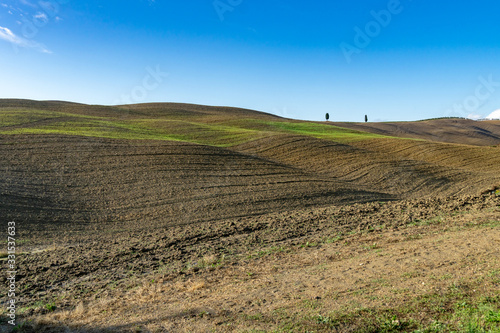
(170, 163)
(452, 130)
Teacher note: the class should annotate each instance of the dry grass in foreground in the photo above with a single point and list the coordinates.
(440, 275)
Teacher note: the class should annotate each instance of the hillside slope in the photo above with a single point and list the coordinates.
(403, 168)
(53, 181)
(176, 217)
(174, 163)
(452, 130)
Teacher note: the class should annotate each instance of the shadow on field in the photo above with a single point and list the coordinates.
(29, 326)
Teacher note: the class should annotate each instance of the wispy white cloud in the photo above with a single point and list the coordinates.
(27, 3)
(7, 35)
(41, 16)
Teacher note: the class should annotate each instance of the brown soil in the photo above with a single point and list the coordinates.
(172, 236)
(174, 110)
(219, 275)
(84, 182)
(403, 168)
(451, 130)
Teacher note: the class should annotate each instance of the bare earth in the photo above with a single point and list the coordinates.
(285, 233)
(462, 131)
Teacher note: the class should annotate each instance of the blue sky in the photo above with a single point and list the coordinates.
(391, 60)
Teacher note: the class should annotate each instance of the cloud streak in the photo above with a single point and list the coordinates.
(7, 35)
(27, 3)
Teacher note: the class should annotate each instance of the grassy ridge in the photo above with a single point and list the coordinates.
(321, 131)
(221, 132)
(20, 117)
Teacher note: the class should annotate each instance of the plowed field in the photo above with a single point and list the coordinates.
(109, 201)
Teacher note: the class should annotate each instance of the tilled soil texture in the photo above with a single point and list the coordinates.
(408, 280)
(124, 192)
(403, 168)
(451, 130)
(106, 265)
(61, 184)
(70, 183)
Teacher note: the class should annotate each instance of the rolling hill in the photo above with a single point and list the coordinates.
(451, 130)
(162, 217)
(177, 163)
